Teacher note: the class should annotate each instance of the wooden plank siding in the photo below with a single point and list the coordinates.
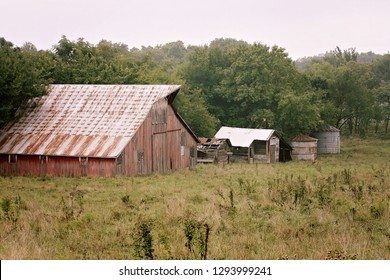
(161, 144)
(33, 165)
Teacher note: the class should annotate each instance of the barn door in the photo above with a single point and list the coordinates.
(159, 155)
(273, 153)
(119, 164)
(43, 165)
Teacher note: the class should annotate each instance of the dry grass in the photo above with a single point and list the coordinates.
(337, 208)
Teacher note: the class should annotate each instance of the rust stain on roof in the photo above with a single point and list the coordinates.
(303, 138)
(83, 120)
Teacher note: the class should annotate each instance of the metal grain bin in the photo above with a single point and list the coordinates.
(304, 148)
(328, 140)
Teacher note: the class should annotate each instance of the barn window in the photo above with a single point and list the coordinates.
(183, 139)
(12, 158)
(119, 159)
(140, 156)
(83, 160)
(192, 151)
(140, 162)
(83, 166)
(259, 147)
(160, 115)
(135, 142)
(43, 159)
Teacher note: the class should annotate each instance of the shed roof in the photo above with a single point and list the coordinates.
(83, 120)
(243, 137)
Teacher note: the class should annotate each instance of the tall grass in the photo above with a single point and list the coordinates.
(336, 208)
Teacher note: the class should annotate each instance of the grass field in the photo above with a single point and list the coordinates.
(336, 208)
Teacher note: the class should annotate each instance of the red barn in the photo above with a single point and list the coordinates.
(99, 130)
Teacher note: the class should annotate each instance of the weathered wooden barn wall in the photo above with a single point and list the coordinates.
(161, 144)
(33, 165)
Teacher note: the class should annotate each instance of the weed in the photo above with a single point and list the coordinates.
(232, 208)
(378, 210)
(347, 176)
(324, 194)
(197, 235)
(248, 186)
(340, 255)
(144, 241)
(75, 206)
(11, 208)
(190, 229)
(126, 199)
(357, 191)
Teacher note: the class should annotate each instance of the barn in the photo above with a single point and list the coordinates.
(304, 148)
(255, 145)
(328, 140)
(99, 130)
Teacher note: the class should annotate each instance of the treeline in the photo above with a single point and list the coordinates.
(227, 82)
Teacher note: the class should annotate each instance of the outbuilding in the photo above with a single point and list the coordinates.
(212, 150)
(256, 145)
(328, 140)
(99, 130)
(304, 148)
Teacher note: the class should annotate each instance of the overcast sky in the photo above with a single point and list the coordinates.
(302, 27)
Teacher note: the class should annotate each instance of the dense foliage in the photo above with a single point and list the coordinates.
(227, 82)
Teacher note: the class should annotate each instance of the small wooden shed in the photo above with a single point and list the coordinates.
(212, 150)
(256, 145)
(304, 148)
(328, 140)
(99, 130)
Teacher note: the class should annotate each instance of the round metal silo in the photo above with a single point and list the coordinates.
(328, 140)
(304, 148)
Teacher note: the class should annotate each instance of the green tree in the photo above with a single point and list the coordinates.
(191, 106)
(343, 87)
(382, 94)
(22, 77)
(298, 113)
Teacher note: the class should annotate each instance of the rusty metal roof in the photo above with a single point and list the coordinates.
(303, 138)
(83, 120)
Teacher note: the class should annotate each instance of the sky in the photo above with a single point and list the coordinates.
(302, 27)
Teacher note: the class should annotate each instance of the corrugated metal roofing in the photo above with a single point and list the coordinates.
(83, 120)
(243, 137)
(303, 138)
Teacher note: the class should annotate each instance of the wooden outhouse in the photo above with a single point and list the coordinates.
(99, 130)
(255, 145)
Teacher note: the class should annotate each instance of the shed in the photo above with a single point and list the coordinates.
(256, 145)
(304, 148)
(99, 130)
(212, 150)
(328, 140)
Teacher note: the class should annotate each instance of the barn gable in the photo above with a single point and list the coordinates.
(86, 125)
